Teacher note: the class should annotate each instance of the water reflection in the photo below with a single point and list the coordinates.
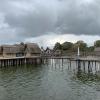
(55, 79)
(83, 70)
(18, 81)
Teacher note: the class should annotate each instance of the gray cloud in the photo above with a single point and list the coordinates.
(37, 17)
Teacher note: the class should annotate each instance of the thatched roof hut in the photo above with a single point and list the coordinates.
(17, 50)
(21, 48)
(32, 48)
(10, 49)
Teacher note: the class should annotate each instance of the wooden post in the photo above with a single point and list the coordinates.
(70, 63)
(25, 60)
(95, 66)
(79, 64)
(62, 62)
(89, 67)
(84, 65)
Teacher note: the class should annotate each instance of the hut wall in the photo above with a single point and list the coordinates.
(9, 55)
(28, 54)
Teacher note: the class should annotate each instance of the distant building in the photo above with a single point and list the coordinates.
(58, 52)
(48, 51)
(42, 51)
(97, 51)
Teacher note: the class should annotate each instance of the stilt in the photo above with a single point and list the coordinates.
(62, 61)
(84, 65)
(70, 63)
(79, 64)
(95, 66)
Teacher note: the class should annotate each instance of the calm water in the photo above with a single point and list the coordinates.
(50, 81)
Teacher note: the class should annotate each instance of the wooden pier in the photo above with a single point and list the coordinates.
(80, 61)
(17, 61)
(72, 58)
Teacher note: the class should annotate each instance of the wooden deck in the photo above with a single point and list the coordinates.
(2, 58)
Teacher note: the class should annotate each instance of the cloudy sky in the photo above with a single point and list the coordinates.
(49, 21)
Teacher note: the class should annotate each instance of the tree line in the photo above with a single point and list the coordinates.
(69, 46)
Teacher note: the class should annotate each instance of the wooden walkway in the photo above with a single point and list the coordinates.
(75, 58)
(62, 57)
(38, 59)
(2, 58)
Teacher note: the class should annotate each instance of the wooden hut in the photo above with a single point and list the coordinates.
(20, 50)
(32, 49)
(12, 51)
(9, 50)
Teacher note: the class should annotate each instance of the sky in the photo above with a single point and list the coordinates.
(49, 21)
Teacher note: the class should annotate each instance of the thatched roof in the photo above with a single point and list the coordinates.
(21, 48)
(97, 49)
(10, 49)
(32, 48)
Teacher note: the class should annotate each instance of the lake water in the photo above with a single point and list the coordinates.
(52, 80)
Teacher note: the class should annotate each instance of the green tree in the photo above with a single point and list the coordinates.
(57, 46)
(82, 45)
(97, 43)
(90, 49)
(67, 46)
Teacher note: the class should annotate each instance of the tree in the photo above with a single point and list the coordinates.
(97, 43)
(82, 45)
(90, 49)
(21, 43)
(57, 46)
(67, 46)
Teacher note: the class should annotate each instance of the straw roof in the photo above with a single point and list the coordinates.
(32, 48)
(10, 49)
(19, 48)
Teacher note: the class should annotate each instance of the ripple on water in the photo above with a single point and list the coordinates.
(46, 82)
